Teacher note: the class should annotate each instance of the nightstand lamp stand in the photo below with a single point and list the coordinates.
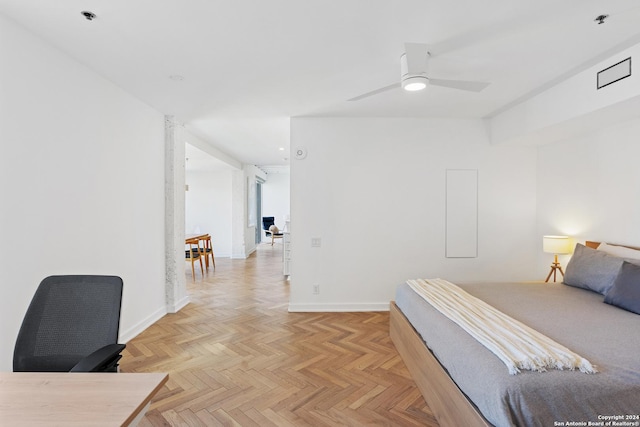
(557, 245)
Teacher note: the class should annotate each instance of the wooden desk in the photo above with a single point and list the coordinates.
(76, 399)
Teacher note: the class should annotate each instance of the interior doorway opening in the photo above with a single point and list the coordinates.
(259, 230)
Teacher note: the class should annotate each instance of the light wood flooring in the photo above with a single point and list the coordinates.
(236, 357)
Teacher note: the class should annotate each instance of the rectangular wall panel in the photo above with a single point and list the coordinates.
(461, 213)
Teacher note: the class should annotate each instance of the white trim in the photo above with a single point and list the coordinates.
(244, 256)
(179, 305)
(337, 307)
(131, 333)
(221, 254)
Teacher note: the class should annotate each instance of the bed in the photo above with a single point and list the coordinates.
(466, 385)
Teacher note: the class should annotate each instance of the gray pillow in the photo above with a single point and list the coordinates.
(592, 269)
(625, 292)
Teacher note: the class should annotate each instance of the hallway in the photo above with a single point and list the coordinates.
(236, 356)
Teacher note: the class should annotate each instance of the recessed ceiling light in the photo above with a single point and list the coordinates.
(176, 77)
(281, 148)
(90, 16)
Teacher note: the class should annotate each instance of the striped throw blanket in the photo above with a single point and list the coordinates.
(517, 345)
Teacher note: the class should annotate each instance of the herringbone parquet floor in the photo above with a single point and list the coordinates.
(236, 357)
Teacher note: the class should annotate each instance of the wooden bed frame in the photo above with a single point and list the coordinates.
(595, 245)
(449, 404)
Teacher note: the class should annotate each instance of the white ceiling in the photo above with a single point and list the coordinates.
(251, 65)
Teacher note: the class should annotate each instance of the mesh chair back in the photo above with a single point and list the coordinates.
(69, 317)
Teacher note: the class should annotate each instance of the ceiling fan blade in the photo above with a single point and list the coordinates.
(416, 56)
(460, 84)
(375, 92)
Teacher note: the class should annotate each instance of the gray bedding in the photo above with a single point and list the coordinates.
(607, 336)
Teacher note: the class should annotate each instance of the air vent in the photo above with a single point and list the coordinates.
(614, 73)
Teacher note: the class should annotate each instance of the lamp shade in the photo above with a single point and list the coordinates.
(556, 244)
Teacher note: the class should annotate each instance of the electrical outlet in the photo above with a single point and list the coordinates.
(316, 289)
(316, 242)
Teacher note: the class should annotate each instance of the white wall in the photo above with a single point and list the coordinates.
(589, 186)
(208, 207)
(373, 190)
(81, 181)
(572, 107)
(249, 174)
(587, 157)
(276, 199)
(192, 139)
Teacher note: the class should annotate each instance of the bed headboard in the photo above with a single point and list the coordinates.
(595, 245)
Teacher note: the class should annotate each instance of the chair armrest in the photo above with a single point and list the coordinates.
(104, 359)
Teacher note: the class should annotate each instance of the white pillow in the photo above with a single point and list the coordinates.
(619, 251)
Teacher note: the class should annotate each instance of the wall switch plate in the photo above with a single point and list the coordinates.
(316, 242)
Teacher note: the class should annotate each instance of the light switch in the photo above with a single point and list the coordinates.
(316, 242)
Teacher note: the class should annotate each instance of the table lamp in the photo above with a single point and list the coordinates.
(557, 245)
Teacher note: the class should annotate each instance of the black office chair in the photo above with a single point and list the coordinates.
(71, 325)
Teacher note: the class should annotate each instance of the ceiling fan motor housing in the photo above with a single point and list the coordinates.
(416, 78)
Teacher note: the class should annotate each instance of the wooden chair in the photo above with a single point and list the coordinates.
(275, 233)
(207, 249)
(271, 229)
(192, 254)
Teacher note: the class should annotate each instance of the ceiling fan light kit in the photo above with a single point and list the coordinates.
(414, 83)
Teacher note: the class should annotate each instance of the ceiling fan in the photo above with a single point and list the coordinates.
(413, 74)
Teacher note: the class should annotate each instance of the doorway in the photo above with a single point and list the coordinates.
(258, 211)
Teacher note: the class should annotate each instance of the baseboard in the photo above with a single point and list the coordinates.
(332, 307)
(132, 332)
(243, 256)
(179, 305)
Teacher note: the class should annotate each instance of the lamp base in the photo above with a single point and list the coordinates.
(555, 266)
